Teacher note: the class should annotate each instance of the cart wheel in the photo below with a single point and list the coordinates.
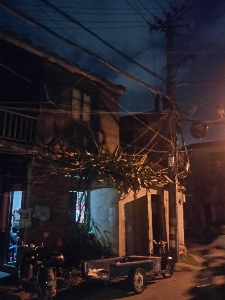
(138, 280)
(169, 269)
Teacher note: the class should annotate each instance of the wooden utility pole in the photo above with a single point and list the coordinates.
(172, 149)
(168, 26)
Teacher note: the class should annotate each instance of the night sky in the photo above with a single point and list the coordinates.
(199, 49)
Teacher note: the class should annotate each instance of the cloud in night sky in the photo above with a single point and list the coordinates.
(199, 48)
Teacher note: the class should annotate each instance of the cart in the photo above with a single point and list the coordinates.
(135, 269)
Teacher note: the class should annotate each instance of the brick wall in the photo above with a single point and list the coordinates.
(51, 191)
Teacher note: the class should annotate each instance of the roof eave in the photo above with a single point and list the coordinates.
(53, 58)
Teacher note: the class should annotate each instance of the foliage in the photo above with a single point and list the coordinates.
(85, 243)
(189, 259)
(124, 171)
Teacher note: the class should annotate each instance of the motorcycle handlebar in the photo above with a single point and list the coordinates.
(23, 245)
(27, 245)
(160, 242)
(46, 234)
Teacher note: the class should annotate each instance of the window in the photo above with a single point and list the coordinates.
(77, 206)
(80, 105)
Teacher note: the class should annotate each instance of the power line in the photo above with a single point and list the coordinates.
(89, 8)
(140, 14)
(160, 6)
(101, 39)
(33, 22)
(94, 14)
(93, 22)
(60, 110)
(132, 114)
(99, 28)
(146, 9)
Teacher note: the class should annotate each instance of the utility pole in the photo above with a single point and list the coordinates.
(168, 26)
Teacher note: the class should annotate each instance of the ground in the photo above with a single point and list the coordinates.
(203, 281)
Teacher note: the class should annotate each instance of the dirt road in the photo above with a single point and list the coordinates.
(182, 285)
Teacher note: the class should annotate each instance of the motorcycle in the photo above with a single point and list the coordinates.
(37, 272)
(161, 249)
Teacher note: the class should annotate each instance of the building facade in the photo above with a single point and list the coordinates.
(205, 198)
(49, 104)
(147, 134)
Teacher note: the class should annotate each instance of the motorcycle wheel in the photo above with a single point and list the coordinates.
(137, 280)
(169, 269)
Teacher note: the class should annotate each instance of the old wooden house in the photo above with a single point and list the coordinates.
(48, 102)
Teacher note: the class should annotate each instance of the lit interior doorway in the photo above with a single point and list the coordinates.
(14, 219)
(77, 206)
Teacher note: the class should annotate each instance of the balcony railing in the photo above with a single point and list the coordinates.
(17, 127)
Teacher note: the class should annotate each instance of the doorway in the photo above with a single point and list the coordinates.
(13, 228)
(137, 227)
(158, 220)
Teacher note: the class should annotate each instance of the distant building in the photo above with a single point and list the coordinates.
(205, 200)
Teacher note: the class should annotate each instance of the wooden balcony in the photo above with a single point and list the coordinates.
(17, 127)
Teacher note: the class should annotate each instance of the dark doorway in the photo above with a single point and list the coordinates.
(158, 218)
(137, 227)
